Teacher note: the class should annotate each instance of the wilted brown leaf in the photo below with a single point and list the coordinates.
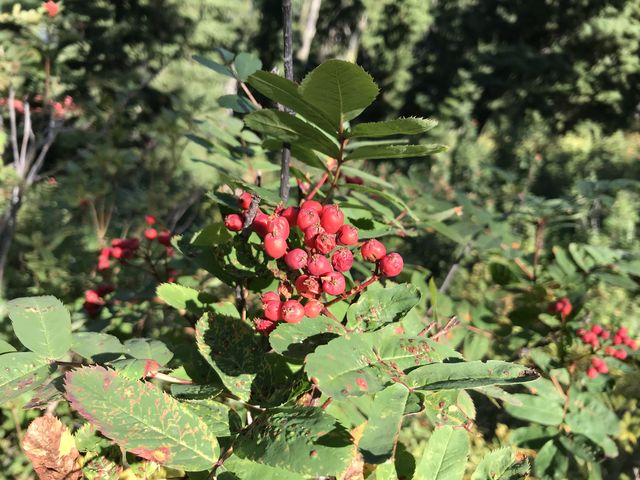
(51, 449)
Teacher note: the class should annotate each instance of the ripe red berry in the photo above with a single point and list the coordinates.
(318, 265)
(150, 219)
(269, 297)
(245, 200)
(391, 264)
(311, 233)
(306, 218)
(233, 222)
(342, 260)
(333, 283)
(292, 311)
(622, 332)
(372, 250)
(265, 326)
(605, 334)
(275, 247)
(633, 345)
(291, 214)
(164, 238)
(347, 235)
(597, 329)
(272, 310)
(278, 226)
(307, 286)
(150, 234)
(332, 218)
(592, 373)
(620, 354)
(566, 308)
(610, 351)
(259, 224)
(599, 365)
(617, 340)
(296, 259)
(325, 242)
(313, 205)
(313, 308)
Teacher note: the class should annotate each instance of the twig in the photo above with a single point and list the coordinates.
(250, 95)
(288, 74)
(451, 324)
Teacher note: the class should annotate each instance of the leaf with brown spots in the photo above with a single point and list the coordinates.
(51, 449)
(21, 372)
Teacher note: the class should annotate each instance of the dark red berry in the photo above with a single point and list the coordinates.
(313, 205)
(325, 242)
(391, 264)
(269, 297)
(347, 235)
(245, 200)
(291, 214)
(311, 233)
(278, 226)
(306, 218)
(275, 247)
(265, 326)
(296, 259)
(342, 260)
(333, 283)
(292, 311)
(259, 224)
(332, 218)
(372, 250)
(318, 265)
(313, 308)
(233, 222)
(307, 286)
(164, 238)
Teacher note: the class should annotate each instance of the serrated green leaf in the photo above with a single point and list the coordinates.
(285, 92)
(379, 306)
(445, 455)
(195, 392)
(231, 347)
(438, 376)
(304, 440)
(215, 66)
(380, 435)
(42, 324)
(239, 468)
(536, 409)
(88, 439)
(290, 129)
(100, 347)
(141, 418)
(183, 298)
(146, 348)
(342, 90)
(393, 199)
(237, 103)
(501, 465)
(214, 414)
(583, 409)
(398, 126)
(296, 340)
(498, 393)
(21, 372)
(387, 152)
(366, 363)
(246, 65)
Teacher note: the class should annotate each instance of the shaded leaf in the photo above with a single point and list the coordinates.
(146, 348)
(100, 347)
(394, 151)
(237, 103)
(215, 66)
(536, 409)
(398, 126)
(296, 340)
(379, 306)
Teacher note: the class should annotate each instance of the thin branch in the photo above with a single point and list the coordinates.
(288, 73)
(451, 324)
(14, 129)
(26, 135)
(250, 95)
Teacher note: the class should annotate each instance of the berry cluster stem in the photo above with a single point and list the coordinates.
(355, 290)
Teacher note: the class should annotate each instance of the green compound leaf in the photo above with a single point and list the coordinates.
(399, 126)
(146, 348)
(296, 340)
(501, 465)
(42, 324)
(440, 376)
(141, 418)
(238, 468)
(536, 409)
(21, 372)
(291, 129)
(366, 363)
(379, 306)
(380, 435)
(100, 347)
(385, 152)
(231, 347)
(445, 455)
(342, 90)
(304, 440)
(285, 92)
(246, 64)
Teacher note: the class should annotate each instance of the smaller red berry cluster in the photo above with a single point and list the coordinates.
(315, 244)
(598, 337)
(94, 299)
(562, 307)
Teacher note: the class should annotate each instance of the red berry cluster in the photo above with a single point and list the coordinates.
(94, 299)
(598, 337)
(315, 245)
(562, 307)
